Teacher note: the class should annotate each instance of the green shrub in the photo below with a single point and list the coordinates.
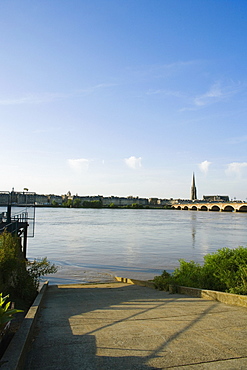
(77, 203)
(188, 274)
(229, 268)
(92, 204)
(38, 268)
(136, 205)
(162, 282)
(112, 205)
(12, 262)
(18, 277)
(224, 270)
(6, 313)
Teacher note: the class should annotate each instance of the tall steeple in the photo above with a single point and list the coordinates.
(193, 195)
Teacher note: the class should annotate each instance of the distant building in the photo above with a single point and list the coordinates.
(41, 199)
(216, 198)
(121, 201)
(17, 197)
(57, 199)
(4, 198)
(193, 195)
(164, 202)
(153, 201)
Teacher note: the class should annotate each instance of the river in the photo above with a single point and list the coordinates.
(91, 245)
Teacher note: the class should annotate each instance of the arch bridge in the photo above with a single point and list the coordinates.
(211, 206)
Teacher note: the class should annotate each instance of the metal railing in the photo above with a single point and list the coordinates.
(14, 223)
(21, 217)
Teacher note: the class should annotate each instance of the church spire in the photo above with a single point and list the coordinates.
(193, 195)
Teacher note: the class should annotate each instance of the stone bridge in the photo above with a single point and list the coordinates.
(212, 206)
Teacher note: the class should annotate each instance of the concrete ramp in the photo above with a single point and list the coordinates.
(122, 326)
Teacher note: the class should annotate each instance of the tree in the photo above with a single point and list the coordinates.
(68, 203)
(92, 204)
(77, 203)
(113, 205)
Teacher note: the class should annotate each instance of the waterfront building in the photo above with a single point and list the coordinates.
(54, 198)
(216, 198)
(4, 198)
(121, 201)
(41, 199)
(17, 198)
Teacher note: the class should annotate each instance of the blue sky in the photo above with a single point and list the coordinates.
(124, 97)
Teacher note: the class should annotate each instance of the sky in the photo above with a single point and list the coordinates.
(124, 97)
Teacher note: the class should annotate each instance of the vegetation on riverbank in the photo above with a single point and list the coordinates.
(77, 203)
(224, 270)
(20, 278)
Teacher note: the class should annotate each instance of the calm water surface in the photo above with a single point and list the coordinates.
(93, 245)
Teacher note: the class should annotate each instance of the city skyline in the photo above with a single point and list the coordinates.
(124, 98)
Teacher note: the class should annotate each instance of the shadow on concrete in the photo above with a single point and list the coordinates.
(86, 327)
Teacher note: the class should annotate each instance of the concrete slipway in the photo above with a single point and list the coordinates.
(123, 326)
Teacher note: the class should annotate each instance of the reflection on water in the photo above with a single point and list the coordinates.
(92, 245)
(193, 228)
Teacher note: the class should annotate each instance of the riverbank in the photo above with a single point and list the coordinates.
(102, 207)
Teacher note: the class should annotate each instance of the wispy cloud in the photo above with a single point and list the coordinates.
(238, 139)
(165, 92)
(216, 93)
(236, 168)
(78, 165)
(133, 162)
(48, 97)
(172, 68)
(181, 64)
(204, 166)
(162, 70)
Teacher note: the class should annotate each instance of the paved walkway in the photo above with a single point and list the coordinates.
(119, 326)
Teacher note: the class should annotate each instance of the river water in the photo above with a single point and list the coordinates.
(91, 245)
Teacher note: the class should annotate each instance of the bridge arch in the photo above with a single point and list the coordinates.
(193, 208)
(203, 208)
(228, 208)
(186, 208)
(242, 209)
(215, 208)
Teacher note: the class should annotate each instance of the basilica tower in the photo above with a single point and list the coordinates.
(193, 195)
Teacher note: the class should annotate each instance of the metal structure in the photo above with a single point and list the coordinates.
(19, 217)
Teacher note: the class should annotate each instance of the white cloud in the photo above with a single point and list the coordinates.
(216, 93)
(236, 168)
(204, 166)
(78, 165)
(133, 162)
